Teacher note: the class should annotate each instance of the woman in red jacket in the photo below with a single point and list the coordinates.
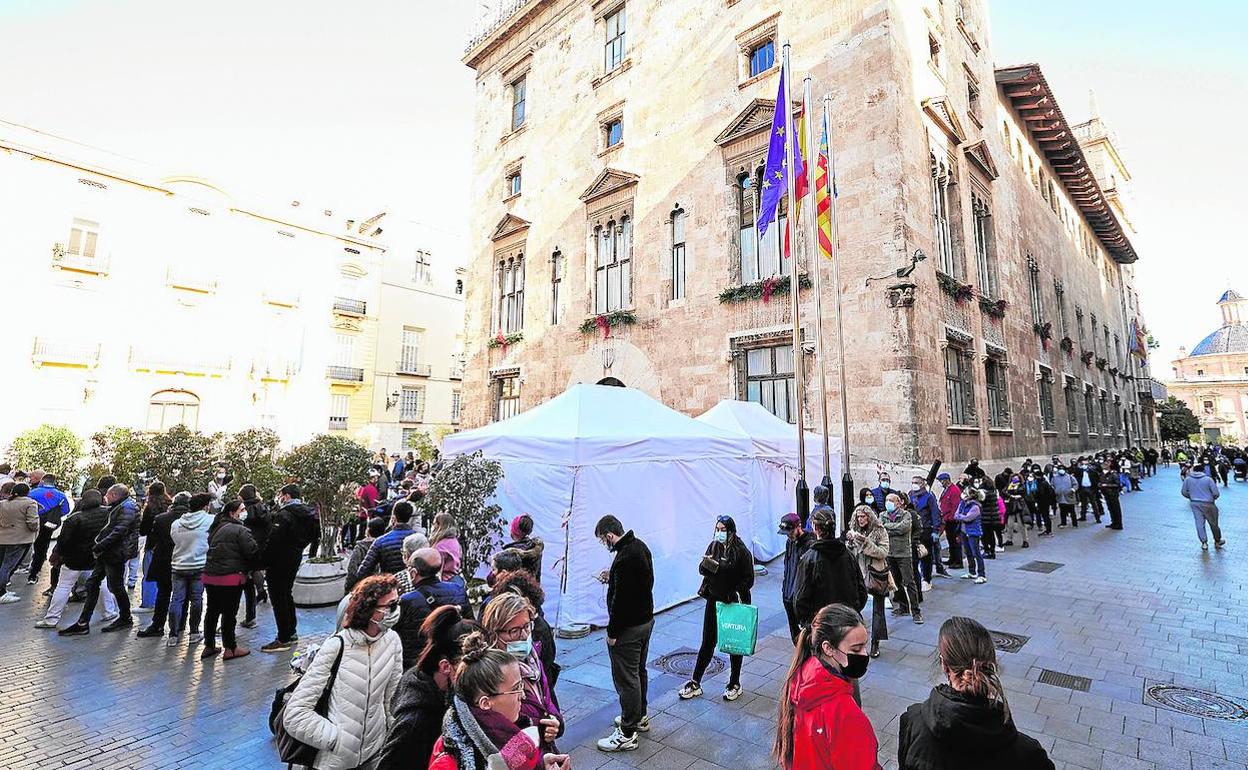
(820, 724)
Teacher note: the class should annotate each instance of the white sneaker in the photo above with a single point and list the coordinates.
(967, 576)
(690, 690)
(888, 603)
(9, 597)
(45, 623)
(618, 741)
(981, 580)
(172, 641)
(732, 692)
(642, 727)
(109, 618)
(926, 587)
(195, 636)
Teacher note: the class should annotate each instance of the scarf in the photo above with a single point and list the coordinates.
(469, 734)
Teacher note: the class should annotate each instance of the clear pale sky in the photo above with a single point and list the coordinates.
(366, 105)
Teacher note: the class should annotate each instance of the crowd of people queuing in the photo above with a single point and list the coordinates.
(419, 676)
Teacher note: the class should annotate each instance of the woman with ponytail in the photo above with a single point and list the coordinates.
(820, 725)
(965, 722)
(483, 729)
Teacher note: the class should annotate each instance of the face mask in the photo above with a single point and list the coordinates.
(915, 487)
(220, 476)
(855, 665)
(884, 484)
(721, 537)
(890, 506)
(389, 620)
(1061, 471)
(521, 649)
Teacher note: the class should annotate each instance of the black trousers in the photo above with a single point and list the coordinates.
(1115, 511)
(281, 581)
(1068, 509)
(710, 635)
(791, 614)
(952, 530)
(1088, 496)
(222, 606)
(879, 623)
(164, 590)
(42, 542)
(115, 574)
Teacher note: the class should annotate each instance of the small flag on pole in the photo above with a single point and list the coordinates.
(823, 197)
(774, 172)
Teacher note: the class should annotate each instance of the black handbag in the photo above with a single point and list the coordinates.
(289, 749)
(877, 581)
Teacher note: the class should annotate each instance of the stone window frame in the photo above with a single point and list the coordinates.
(613, 213)
(602, 10)
(738, 353)
(558, 269)
(1033, 290)
(1059, 293)
(997, 368)
(1079, 322)
(961, 383)
(1070, 393)
(758, 34)
(1044, 398)
(945, 182)
(753, 165)
(513, 170)
(1089, 399)
(974, 97)
(984, 240)
(497, 382)
(679, 254)
(605, 118)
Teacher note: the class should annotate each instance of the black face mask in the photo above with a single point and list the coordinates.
(855, 665)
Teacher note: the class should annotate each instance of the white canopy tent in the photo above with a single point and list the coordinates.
(774, 470)
(596, 450)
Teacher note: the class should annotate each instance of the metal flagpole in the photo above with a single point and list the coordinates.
(847, 479)
(790, 180)
(816, 267)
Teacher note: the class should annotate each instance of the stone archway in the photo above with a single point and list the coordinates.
(612, 381)
(616, 361)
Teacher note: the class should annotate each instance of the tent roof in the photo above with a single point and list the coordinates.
(769, 433)
(592, 424)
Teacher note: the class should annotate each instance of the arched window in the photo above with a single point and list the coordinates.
(168, 408)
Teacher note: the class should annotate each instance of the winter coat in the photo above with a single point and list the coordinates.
(630, 586)
(949, 500)
(118, 541)
(830, 730)
(160, 542)
(293, 527)
(232, 549)
(152, 507)
(450, 546)
(358, 720)
(258, 521)
(76, 543)
(1111, 484)
(19, 521)
(358, 552)
(928, 508)
(732, 580)
(954, 730)
(878, 494)
(827, 574)
(418, 708)
(1200, 488)
(899, 525)
(1064, 488)
(190, 541)
(530, 549)
(872, 552)
(386, 553)
(793, 551)
(53, 505)
(969, 515)
(417, 604)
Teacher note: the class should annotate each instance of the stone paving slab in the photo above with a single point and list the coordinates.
(1126, 610)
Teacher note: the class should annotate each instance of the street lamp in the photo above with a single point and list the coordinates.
(391, 400)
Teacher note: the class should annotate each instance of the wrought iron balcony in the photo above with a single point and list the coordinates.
(347, 306)
(337, 423)
(412, 415)
(409, 366)
(190, 278)
(457, 371)
(175, 362)
(274, 368)
(77, 262)
(345, 373)
(55, 352)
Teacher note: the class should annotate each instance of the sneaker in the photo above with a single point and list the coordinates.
(691, 690)
(173, 640)
(77, 629)
(9, 597)
(1026, 544)
(1219, 543)
(1061, 526)
(875, 648)
(118, 625)
(618, 741)
(49, 591)
(249, 623)
(109, 618)
(32, 581)
(968, 576)
(1008, 542)
(642, 727)
(943, 573)
(277, 645)
(918, 619)
(195, 636)
(151, 631)
(1204, 546)
(732, 692)
(23, 568)
(44, 623)
(981, 580)
(926, 586)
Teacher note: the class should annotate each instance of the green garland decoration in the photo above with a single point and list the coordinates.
(604, 321)
(501, 340)
(750, 291)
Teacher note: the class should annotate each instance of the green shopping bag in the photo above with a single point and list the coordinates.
(737, 628)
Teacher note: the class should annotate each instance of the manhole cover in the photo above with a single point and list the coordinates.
(1007, 642)
(1041, 566)
(681, 662)
(1069, 681)
(1197, 703)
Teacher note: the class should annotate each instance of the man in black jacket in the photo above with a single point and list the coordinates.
(160, 542)
(828, 573)
(73, 551)
(797, 542)
(290, 524)
(630, 620)
(428, 593)
(1088, 480)
(117, 543)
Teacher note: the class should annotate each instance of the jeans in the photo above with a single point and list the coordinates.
(1206, 512)
(710, 635)
(112, 572)
(187, 588)
(903, 576)
(974, 558)
(281, 581)
(628, 673)
(147, 593)
(42, 542)
(10, 557)
(223, 605)
(60, 596)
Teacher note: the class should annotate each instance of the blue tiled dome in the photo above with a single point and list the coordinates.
(1228, 339)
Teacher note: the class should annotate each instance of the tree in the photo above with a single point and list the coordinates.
(1177, 420)
(182, 458)
(251, 457)
(120, 452)
(420, 445)
(461, 489)
(327, 468)
(51, 448)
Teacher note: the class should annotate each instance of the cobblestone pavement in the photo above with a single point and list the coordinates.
(1127, 610)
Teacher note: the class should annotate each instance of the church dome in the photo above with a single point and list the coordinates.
(1233, 336)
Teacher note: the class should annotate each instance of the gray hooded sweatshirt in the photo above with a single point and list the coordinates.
(190, 541)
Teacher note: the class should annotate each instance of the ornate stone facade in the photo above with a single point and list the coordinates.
(935, 151)
(1213, 379)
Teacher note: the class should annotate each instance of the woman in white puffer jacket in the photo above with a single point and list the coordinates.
(353, 732)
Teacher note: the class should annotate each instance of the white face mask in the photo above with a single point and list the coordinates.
(389, 620)
(915, 487)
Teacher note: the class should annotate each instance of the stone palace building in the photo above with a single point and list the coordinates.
(1213, 378)
(618, 148)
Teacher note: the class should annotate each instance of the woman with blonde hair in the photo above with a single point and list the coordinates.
(868, 541)
(445, 537)
(965, 721)
(509, 619)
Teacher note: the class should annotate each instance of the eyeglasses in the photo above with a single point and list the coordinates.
(516, 634)
(518, 691)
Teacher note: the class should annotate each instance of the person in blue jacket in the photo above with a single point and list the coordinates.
(968, 515)
(928, 507)
(53, 506)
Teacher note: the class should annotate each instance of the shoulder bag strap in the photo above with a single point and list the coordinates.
(322, 704)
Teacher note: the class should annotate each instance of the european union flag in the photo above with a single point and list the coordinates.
(775, 181)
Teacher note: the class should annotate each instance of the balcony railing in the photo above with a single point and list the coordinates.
(347, 306)
(407, 366)
(457, 371)
(412, 415)
(337, 423)
(190, 279)
(65, 353)
(274, 368)
(78, 263)
(174, 362)
(281, 297)
(345, 373)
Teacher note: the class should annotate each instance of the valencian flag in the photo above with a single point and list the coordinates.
(1138, 344)
(774, 172)
(823, 196)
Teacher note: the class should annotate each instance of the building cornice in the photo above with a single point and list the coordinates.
(513, 15)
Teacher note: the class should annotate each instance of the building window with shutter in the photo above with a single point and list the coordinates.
(1059, 293)
(456, 405)
(339, 407)
(614, 48)
(1048, 419)
(1079, 322)
(409, 350)
(985, 247)
(506, 391)
(412, 405)
(613, 265)
(511, 294)
(519, 88)
(997, 384)
(1089, 406)
(1104, 414)
(959, 385)
(678, 253)
(83, 237)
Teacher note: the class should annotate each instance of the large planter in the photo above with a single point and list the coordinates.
(320, 584)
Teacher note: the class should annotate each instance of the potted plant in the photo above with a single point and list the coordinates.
(1044, 331)
(463, 488)
(1086, 358)
(1068, 345)
(326, 470)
